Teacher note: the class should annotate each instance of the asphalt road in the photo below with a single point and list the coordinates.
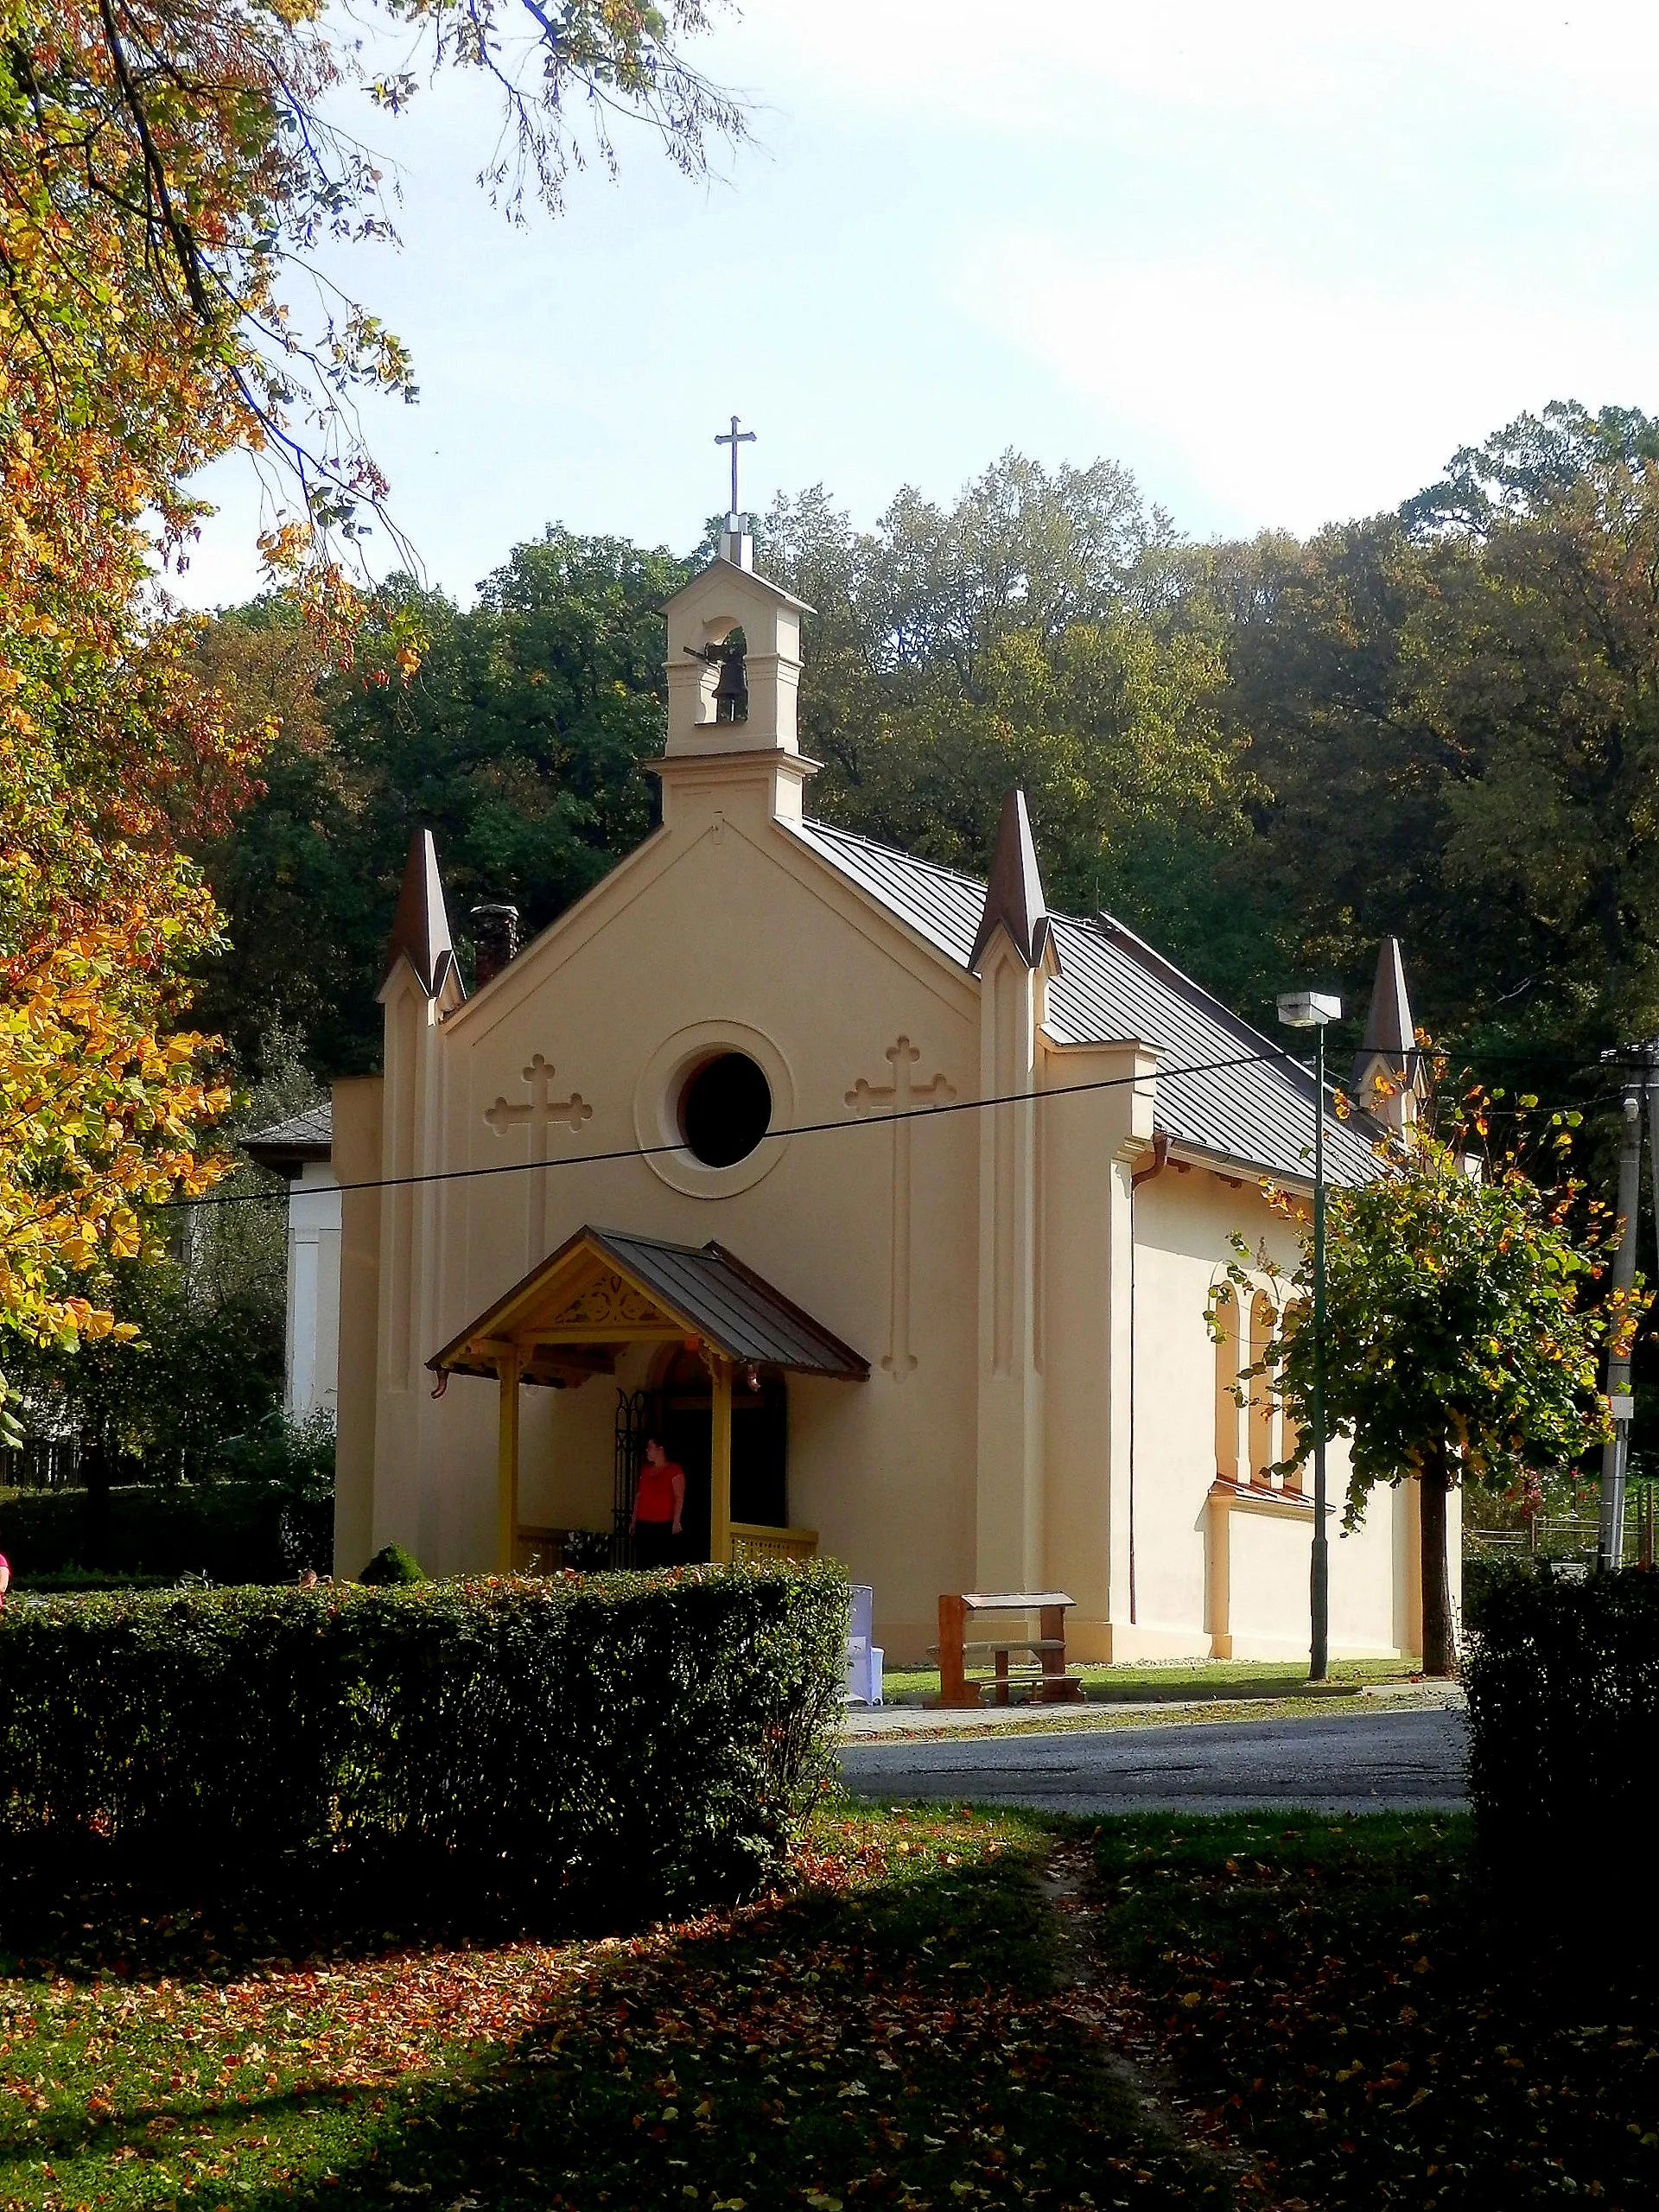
(1365, 1762)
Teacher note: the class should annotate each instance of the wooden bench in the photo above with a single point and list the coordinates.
(1051, 1684)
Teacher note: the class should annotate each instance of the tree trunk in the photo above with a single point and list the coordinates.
(1439, 1643)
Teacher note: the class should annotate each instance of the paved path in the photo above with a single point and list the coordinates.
(923, 1719)
(1360, 1762)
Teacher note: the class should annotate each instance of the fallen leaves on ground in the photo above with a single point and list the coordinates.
(1355, 2001)
(881, 2032)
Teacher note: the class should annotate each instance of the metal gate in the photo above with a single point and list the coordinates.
(632, 1427)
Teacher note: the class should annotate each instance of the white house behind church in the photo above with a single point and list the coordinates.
(301, 1149)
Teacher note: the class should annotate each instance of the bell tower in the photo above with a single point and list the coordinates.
(733, 671)
(733, 662)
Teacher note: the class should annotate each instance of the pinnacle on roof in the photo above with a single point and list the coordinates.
(1015, 895)
(1388, 1026)
(1389, 1076)
(420, 929)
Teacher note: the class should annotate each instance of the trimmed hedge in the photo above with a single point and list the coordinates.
(647, 1741)
(1563, 1682)
(231, 1532)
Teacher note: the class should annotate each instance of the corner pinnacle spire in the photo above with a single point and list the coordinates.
(1015, 895)
(420, 929)
(1388, 1077)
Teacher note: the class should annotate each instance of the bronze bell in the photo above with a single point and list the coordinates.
(731, 692)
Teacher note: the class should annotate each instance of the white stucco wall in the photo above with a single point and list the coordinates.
(723, 920)
(1185, 1218)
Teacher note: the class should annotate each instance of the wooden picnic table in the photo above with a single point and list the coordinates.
(1046, 1671)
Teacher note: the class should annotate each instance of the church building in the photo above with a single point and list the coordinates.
(889, 1201)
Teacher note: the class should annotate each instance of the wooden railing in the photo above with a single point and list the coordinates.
(752, 1544)
(538, 1551)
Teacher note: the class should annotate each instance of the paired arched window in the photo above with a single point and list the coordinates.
(1264, 1407)
(1248, 1441)
(1295, 1313)
(1227, 1367)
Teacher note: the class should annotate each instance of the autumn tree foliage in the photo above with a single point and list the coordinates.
(167, 172)
(1448, 715)
(1463, 1328)
(518, 740)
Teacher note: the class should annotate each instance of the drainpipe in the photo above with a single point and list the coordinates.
(1155, 1166)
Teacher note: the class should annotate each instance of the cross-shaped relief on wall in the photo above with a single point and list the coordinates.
(538, 1113)
(897, 1100)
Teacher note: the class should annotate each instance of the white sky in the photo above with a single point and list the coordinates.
(1280, 259)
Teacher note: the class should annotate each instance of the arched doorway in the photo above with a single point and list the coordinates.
(681, 1411)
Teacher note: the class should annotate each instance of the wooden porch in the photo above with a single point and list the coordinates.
(575, 1316)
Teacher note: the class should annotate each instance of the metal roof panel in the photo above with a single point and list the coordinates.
(1114, 988)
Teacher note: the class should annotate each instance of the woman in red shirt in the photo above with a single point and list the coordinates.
(658, 1504)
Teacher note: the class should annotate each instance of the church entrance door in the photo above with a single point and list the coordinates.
(685, 1410)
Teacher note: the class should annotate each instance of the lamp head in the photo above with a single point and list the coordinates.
(1308, 1009)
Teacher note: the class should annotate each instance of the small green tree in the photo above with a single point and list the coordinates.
(1459, 1341)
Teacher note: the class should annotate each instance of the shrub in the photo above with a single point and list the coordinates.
(1486, 1571)
(232, 1532)
(589, 1550)
(296, 1457)
(1563, 1683)
(645, 1740)
(390, 1567)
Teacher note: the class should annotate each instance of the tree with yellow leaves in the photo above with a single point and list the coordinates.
(165, 165)
(1463, 1326)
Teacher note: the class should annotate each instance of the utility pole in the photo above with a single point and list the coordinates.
(1312, 1010)
(1611, 1534)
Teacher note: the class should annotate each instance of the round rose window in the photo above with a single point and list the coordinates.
(725, 1109)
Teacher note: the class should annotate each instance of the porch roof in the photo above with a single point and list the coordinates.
(603, 1287)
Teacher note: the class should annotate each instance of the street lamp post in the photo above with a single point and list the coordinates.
(1312, 1010)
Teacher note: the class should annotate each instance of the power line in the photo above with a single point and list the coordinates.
(798, 1129)
(1271, 1058)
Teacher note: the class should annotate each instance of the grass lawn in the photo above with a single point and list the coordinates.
(1359, 2010)
(1344, 2001)
(884, 2032)
(1217, 1678)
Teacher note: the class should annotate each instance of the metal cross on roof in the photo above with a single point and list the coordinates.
(734, 437)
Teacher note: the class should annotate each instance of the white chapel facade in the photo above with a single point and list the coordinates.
(710, 1158)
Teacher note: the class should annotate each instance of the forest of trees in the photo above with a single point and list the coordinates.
(1442, 723)
(1437, 722)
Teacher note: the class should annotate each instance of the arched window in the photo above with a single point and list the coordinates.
(1263, 1409)
(1295, 1314)
(1227, 1365)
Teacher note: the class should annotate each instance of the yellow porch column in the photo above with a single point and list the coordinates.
(720, 1465)
(506, 1463)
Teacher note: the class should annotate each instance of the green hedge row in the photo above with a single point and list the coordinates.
(1563, 1681)
(230, 1531)
(645, 1739)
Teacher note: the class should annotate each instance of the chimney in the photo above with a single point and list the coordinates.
(495, 933)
